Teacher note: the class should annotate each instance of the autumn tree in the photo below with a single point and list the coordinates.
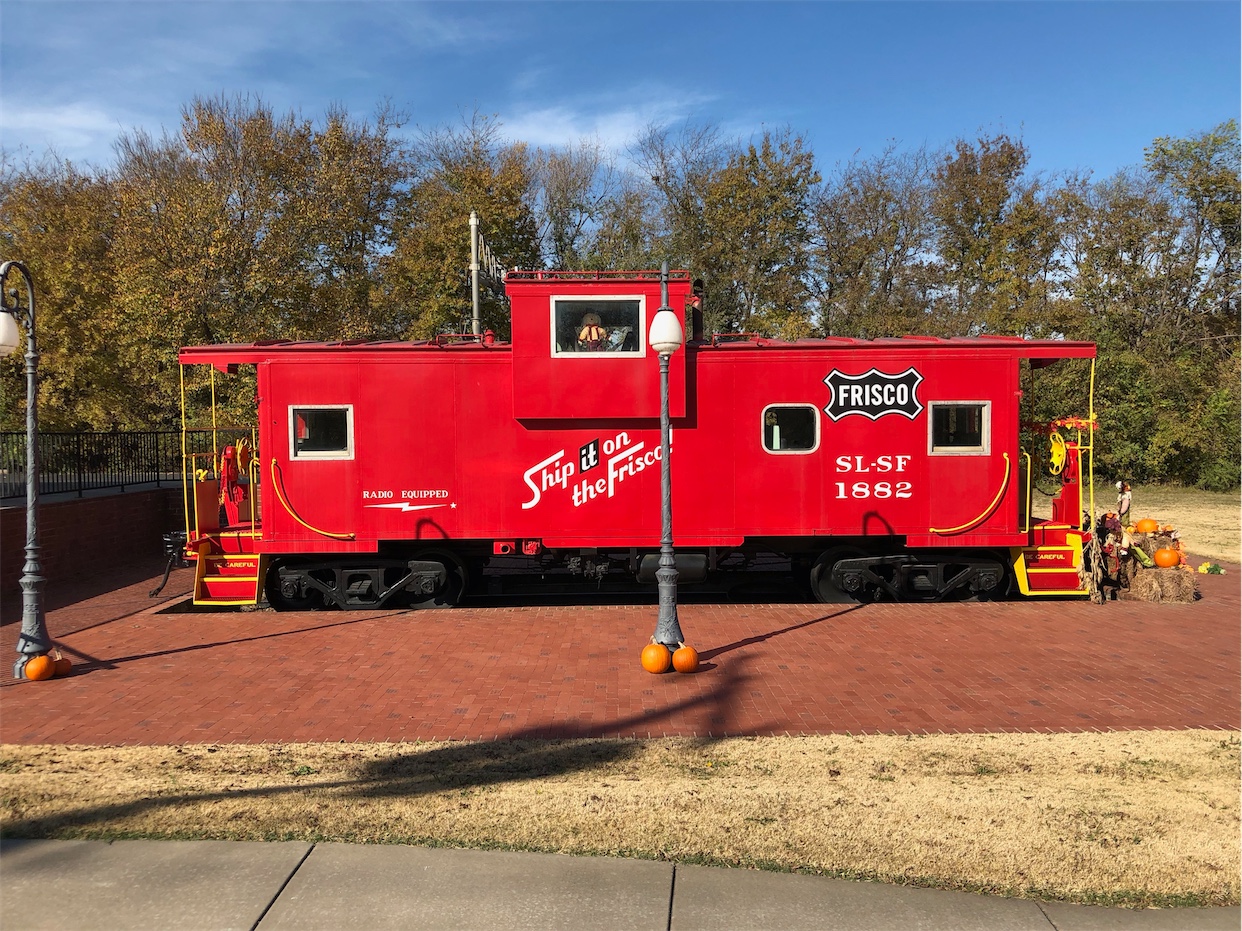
(458, 170)
(627, 229)
(574, 186)
(207, 235)
(1157, 290)
(242, 225)
(60, 221)
(352, 174)
(757, 213)
(972, 189)
(871, 234)
(680, 163)
(1199, 175)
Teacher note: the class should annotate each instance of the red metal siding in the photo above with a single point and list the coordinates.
(437, 455)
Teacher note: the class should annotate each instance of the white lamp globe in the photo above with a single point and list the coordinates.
(10, 337)
(666, 335)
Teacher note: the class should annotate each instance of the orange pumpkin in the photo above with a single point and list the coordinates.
(1147, 525)
(61, 666)
(40, 667)
(685, 659)
(1166, 557)
(656, 658)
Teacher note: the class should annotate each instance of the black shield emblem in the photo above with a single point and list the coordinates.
(874, 394)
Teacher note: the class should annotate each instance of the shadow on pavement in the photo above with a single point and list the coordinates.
(762, 638)
(539, 752)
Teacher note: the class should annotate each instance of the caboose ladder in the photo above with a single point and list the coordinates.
(228, 578)
(1050, 566)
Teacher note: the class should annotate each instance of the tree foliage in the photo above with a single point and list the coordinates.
(246, 224)
(457, 170)
(757, 210)
(871, 230)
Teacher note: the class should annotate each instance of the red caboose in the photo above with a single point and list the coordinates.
(411, 472)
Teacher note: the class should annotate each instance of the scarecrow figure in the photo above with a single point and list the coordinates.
(1123, 502)
(592, 335)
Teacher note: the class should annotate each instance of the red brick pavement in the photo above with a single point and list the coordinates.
(143, 677)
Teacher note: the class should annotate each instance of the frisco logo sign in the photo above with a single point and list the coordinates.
(622, 459)
(874, 394)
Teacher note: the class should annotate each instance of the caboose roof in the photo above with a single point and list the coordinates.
(1019, 347)
(253, 353)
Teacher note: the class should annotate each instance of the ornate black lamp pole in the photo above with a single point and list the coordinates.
(666, 337)
(33, 639)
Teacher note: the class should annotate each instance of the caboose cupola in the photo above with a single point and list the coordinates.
(581, 346)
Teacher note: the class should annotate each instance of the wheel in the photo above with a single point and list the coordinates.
(285, 595)
(824, 589)
(449, 594)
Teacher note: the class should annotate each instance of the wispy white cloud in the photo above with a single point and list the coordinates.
(457, 26)
(74, 75)
(81, 131)
(614, 120)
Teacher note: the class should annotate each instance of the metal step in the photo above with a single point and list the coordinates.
(228, 579)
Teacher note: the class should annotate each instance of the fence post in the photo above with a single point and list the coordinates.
(81, 477)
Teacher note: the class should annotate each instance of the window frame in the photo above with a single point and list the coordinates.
(325, 454)
(639, 299)
(985, 429)
(763, 438)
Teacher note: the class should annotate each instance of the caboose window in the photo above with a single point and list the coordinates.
(960, 426)
(791, 428)
(593, 328)
(321, 432)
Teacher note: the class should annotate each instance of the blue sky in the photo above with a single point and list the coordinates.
(1086, 84)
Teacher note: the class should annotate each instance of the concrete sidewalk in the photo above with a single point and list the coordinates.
(218, 885)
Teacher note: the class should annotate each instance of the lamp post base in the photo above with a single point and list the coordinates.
(668, 629)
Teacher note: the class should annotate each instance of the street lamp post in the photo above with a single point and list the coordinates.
(33, 639)
(666, 337)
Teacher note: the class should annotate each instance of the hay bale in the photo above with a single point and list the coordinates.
(1177, 585)
(1150, 542)
(1160, 541)
(1162, 585)
(1144, 587)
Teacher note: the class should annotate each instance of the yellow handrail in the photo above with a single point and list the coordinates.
(1026, 524)
(215, 442)
(1091, 448)
(278, 487)
(986, 511)
(185, 483)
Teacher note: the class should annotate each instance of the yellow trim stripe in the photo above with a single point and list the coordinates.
(986, 511)
(278, 485)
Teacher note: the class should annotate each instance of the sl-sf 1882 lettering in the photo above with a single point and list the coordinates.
(860, 465)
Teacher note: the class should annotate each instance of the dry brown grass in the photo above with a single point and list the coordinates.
(1209, 522)
(1120, 818)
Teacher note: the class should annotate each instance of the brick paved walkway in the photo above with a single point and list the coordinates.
(143, 677)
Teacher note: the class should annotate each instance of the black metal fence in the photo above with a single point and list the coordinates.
(80, 462)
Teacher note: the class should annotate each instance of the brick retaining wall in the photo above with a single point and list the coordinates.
(79, 536)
